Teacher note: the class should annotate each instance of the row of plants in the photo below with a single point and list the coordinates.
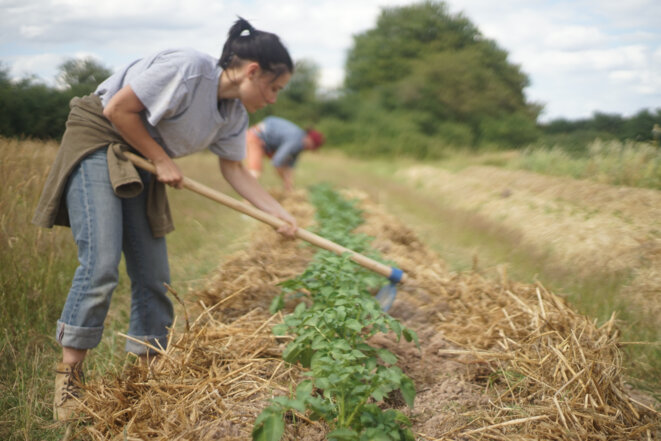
(348, 381)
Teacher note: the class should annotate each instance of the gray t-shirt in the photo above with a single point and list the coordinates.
(179, 89)
(283, 140)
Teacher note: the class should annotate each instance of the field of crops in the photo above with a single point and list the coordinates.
(458, 357)
(281, 341)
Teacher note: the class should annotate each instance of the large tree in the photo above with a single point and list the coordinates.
(28, 107)
(403, 35)
(438, 67)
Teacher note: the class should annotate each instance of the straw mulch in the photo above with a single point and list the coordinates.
(578, 226)
(549, 372)
(213, 369)
(498, 359)
(250, 277)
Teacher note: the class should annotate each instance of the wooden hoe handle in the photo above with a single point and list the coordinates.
(394, 274)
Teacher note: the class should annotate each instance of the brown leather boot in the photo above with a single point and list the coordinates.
(68, 381)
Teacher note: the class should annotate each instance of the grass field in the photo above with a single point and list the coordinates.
(36, 265)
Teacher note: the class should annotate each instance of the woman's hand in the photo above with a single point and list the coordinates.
(289, 229)
(168, 172)
(123, 110)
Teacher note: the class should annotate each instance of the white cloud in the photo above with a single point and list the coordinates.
(590, 60)
(31, 31)
(331, 77)
(42, 65)
(656, 57)
(572, 50)
(575, 38)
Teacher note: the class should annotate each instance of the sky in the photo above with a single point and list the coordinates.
(581, 56)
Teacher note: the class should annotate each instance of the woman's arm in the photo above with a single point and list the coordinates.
(287, 176)
(248, 187)
(123, 110)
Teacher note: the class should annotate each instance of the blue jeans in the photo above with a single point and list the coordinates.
(104, 225)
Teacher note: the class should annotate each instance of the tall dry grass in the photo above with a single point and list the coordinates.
(633, 164)
(37, 265)
(35, 269)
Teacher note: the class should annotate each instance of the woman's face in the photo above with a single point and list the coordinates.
(260, 88)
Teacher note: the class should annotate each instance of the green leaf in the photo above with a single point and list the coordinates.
(319, 342)
(401, 419)
(343, 434)
(407, 387)
(299, 309)
(280, 329)
(322, 408)
(354, 325)
(269, 426)
(288, 403)
(277, 304)
(358, 355)
(408, 435)
(387, 356)
(322, 383)
(292, 352)
(396, 327)
(305, 357)
(379, 393)
(341, 345)
(376, 434)
(326, 291)
(304, 389)
(410, 335)
(393, 374)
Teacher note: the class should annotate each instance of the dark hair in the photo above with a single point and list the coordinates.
(247, 43)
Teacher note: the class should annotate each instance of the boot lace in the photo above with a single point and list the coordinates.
(72, 381)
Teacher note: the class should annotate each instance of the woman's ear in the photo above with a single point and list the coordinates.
(252, 69)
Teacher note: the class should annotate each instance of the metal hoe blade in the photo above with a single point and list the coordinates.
(386, 296)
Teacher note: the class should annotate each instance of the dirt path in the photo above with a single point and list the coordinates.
(587, 225)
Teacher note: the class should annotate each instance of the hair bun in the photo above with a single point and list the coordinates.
(244, 42)
(240, 28)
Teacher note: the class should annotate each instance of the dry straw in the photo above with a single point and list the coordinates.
(544, 371)
(549, 372)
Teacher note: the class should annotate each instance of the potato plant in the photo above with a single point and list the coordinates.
(331, 325)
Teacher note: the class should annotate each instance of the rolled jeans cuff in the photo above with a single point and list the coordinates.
(134, 347)
(78, 337)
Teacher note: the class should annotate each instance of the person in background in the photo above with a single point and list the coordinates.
(282, 141)
(166, 105)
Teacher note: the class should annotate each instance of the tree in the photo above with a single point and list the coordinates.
(81, 75)
(639, 127)
(5, 102)
(404, 34)
(30, 108)
(438, 71)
